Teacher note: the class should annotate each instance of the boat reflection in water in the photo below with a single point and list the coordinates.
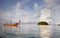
(45, 31)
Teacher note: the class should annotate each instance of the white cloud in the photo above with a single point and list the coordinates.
(26, 19)
(45, 13)
(54, 7)
(19, 14)
(36, 6)
(28, 16)
(24, 1)
(50, 1)
(57, 8)
(17, 6)
(56, 14)
(36, 14)
(25, 15)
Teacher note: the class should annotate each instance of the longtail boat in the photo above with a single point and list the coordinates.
(14, 24)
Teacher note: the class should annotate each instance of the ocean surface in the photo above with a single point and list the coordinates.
(31, 31)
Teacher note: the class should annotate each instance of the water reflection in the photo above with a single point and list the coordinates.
(45, 31)
(32, 31)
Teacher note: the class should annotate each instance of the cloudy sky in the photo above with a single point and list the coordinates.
(28, 10)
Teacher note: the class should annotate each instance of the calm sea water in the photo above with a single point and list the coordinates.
(31, 31)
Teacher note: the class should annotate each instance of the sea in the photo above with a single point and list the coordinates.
(31, 31)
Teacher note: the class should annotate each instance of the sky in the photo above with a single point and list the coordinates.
(28, 10)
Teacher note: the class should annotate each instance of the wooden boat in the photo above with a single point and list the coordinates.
(15, 24)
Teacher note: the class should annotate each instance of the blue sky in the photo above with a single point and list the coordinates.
(28, 10)
(7, 4)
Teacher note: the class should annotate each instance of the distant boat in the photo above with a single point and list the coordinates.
(42, 23)
(14, 24)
